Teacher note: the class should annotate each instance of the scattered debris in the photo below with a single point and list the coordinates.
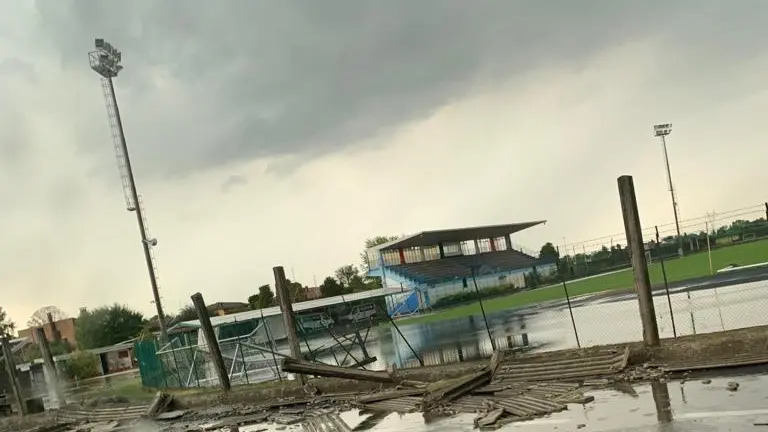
(307, 368)
(487, 419)
(325, 423)
(171, 415)
(159, 404)
(706, 381)
(732, 386)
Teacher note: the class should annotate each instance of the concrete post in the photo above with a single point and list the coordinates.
(10, 368)
(50, 366)
(210, 339)
(639, 264)
(289, 321)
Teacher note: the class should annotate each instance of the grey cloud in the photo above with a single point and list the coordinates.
(305, 78)
(16, 67)
(234, 181)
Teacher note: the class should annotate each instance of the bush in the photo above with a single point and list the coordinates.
(82, 365)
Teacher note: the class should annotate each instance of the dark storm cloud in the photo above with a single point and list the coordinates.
(310, 77)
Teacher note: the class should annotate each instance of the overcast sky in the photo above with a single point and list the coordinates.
(284, 132)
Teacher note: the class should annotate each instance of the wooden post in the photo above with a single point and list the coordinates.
(49, 365)
(289, 321)
(10, 367)
(639, 264)
(210, 339)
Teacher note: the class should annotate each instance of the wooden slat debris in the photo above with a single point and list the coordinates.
(528, 406)
(599, 364)
(159, 404)
(77, 413)
(325, 423)
(487, 419)
(455, 389)
(389, 394)
(306, 368)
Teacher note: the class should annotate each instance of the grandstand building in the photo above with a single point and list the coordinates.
(434, 264)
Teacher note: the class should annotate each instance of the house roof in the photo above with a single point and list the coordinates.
(430, 238)
(297, 307)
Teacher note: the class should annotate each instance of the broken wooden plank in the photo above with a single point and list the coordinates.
(389, 394)
(159, 404)
(456, 388)
(306, 368)
(487, 419)
(495, 362)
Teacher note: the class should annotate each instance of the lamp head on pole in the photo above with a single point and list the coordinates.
(662, 129)
(106, 59)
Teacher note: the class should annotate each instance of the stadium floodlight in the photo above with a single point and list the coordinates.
(106, 59)
(662, 130)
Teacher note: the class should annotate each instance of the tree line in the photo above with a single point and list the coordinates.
(615, 256)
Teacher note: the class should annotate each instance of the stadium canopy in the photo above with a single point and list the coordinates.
(297, 307)
(430, 238)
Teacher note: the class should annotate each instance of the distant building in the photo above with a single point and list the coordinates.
(312, 293)
(227, 308)
(60, 331)
(431, 265)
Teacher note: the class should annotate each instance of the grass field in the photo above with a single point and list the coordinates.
(677, 270)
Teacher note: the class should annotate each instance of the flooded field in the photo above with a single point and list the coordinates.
(593, 320)
(699, 404)
(605, 320)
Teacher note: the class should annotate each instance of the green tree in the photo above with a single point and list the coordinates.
(7, 327)
(32, 352)
(266, 297)
(107, 325)
(357, 284)
(187, 313)
(253, 301)
(345, 274)
(549, 251)
(373, 242)
(82, 365)
(295, 291)
(331, 287)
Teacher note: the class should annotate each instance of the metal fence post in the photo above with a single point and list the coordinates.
(666, 284)
(568, 300)
(242, 358)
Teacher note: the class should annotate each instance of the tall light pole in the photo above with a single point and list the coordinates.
(106, 61)
(662, 130)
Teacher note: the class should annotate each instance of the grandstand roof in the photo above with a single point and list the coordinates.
(297, 307)
(429, 238)
(440, 270)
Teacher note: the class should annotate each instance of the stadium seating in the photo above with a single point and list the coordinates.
(441, 270)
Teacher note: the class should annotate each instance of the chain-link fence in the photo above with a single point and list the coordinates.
(185, 362)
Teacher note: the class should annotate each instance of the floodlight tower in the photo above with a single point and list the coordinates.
(106, 61)
(662, 130)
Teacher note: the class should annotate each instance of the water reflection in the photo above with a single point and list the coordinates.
(604, 321)
(660, 391)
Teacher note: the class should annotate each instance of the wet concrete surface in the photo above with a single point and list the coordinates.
(702, 403)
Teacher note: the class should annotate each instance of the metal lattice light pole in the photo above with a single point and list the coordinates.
(106, 61)
(662, 130)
